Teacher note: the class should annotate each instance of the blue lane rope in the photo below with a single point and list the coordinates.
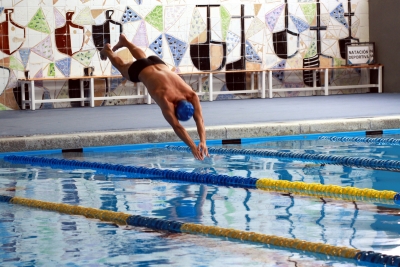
(379, 164)
(209, 178)
(310, 189)
(377, 141)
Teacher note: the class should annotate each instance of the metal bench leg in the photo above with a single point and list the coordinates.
(92, 92)
(32, 95)
(210, 86)
(263, 84)
(326, 82)
(270, 84)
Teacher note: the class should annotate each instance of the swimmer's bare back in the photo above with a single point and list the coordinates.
(163, 83)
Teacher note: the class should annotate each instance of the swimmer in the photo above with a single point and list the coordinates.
(176, 99)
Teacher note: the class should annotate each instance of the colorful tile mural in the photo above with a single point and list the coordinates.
(60, 38)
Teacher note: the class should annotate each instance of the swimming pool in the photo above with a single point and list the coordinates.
(32, 237)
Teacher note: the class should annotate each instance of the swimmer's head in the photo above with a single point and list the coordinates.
(184, 110)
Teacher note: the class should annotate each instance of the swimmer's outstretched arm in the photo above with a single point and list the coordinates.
(198, 118)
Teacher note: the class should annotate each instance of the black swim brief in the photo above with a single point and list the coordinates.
(137, 66)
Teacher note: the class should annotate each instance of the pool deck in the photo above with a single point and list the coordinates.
(73, 128)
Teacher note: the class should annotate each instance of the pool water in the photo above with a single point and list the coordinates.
(33, 237)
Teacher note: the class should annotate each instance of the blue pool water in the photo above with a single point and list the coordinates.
(33, 237)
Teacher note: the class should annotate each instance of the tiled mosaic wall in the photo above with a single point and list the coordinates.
(59, 38)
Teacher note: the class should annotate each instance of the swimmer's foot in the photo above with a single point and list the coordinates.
(122, 42)
(105, 51)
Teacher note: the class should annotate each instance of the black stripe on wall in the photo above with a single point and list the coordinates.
(232, 142)
(380, 132)
(80, 150)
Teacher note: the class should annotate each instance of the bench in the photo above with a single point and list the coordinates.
(263, 86)
(32, 101)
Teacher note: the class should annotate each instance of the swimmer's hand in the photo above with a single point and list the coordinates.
(200, 151)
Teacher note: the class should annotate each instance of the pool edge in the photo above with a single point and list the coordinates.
(225, 132)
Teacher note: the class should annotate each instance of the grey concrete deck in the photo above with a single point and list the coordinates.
(22, 130)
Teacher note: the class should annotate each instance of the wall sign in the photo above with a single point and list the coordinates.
(360, 53)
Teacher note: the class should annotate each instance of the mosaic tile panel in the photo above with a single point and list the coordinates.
(51, 72)
(157, 46)
(156, 17)
(177, 48)
(256, 26)
(232, 40)
(12, 80)
(354, 28)
(44, 49)
(197, 25)
(84, 57)
(58, 18)
(15, 64)
(338, 14)
(39, 22)
(24, 55)
(300, 24)
(172, 30)
(225, 21)
(64, 65)
(129, 15)
(312, 50)
(172, 15)
(271, 17)
(309, 11)
(39, 74)
(140, 38)
(252, 55)
(84, 17)
(279, 75)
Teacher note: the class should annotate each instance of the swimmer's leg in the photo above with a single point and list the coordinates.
(135, 51)
(117, 62)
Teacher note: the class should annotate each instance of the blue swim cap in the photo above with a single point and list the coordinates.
(184, 110)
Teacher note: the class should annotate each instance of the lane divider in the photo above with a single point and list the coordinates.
(377, 141)
(379, 164)
(198, 229)
(266, 184)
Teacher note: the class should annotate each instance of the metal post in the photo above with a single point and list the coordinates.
(270, 83)
(32, 95)
(210, 86)
(92, 92)
(326, 82)
(263, 84)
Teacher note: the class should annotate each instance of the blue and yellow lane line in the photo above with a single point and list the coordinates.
(122, 218)
(300, 188)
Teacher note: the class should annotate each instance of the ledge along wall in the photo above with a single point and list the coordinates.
(385, 32)
(63, 38)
